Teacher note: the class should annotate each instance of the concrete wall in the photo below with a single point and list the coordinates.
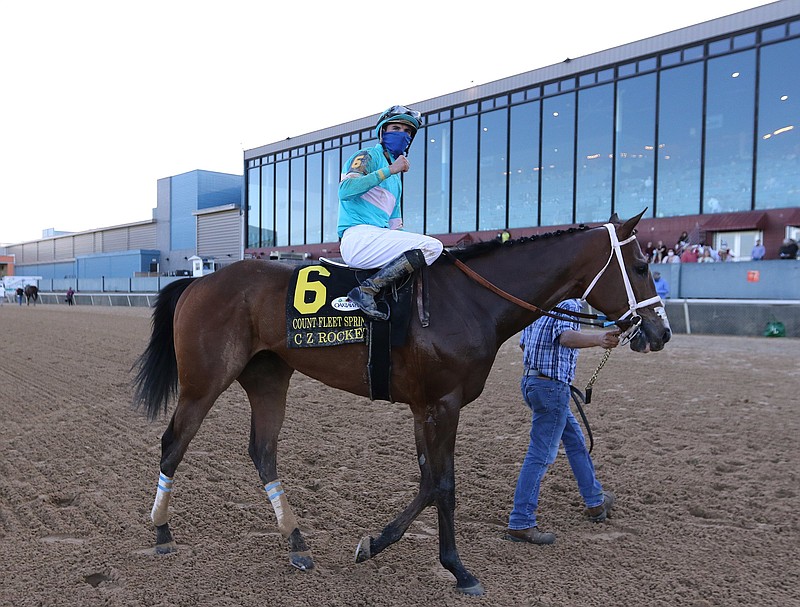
(770, 279)
(732, 317)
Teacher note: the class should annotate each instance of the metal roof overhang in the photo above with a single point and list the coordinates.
(730, 222)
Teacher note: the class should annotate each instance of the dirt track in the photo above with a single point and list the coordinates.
(699, 442)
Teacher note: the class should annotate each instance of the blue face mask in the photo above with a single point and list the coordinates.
(396, 142)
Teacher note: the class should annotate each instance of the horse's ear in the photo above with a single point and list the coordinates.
(614, 219)
(627, 228)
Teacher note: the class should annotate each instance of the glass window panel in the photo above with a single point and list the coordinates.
(744, 40)
(587, 79)
(670, 59)
(314, 199)
(533, 93)
(518, 97)
(635, 157)
(773, 33)
(777, 174)
(646, 65)
(297, 205)
(680, 128)
(523, 182)
(727, 181)
(253, 207)
(459, 111)
(487, 105)
(413, 201)
(282, 203)
(719, 46)
(605, 75)
(626, 70)
(558, 149)
(472, 108)
(594, 155)
(690, 54)
(493, 167)
(268, 206)
(347, 152)
(501, 101)
(567, 85)
(437, 175)
(330, 195)
(465, 182)
(794, 28)
(551, 89)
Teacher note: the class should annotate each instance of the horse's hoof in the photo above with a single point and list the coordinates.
(301, 560)
(167, 548)
(362, 550)
(475, 590)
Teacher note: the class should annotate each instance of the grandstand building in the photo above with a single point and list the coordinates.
(698, 127)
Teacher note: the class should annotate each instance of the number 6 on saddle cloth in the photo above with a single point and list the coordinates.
(319, 314)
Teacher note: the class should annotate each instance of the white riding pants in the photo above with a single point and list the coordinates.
(368, 247)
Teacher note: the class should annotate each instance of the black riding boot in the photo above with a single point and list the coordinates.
(400, 267)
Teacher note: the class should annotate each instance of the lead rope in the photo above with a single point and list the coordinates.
(579, 398)
(593, 378)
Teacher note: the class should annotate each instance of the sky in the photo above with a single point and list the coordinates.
(100, 99)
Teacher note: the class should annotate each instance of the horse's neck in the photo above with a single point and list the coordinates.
(541, 273)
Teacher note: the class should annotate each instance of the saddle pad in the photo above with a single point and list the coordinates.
(318, 312)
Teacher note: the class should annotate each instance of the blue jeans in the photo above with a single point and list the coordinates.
(553, 423)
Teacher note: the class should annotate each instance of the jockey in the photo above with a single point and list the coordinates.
(370, 221)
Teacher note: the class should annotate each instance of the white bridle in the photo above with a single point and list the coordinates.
(633, 305)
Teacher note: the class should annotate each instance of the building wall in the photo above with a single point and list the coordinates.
(120, 251)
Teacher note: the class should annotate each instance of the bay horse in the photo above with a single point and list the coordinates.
(31, 293)
(203, 340)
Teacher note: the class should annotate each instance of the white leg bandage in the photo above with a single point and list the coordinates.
(160, 512)
(286, 521)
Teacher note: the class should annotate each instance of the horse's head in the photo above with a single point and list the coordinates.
(623, 289)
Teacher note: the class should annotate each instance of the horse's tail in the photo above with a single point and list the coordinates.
(156, 380)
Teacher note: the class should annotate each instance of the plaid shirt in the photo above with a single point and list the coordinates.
(544, 353)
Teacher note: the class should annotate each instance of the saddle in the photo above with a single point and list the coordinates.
(319, 314)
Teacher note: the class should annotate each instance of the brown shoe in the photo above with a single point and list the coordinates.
(598, 514)
(532, 535)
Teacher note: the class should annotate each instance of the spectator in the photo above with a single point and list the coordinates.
(690, 254)
(706, 257)
(648, 251)
(70, 298)
(788, 249)
(662, 288)
(659, 252)
(726, 255)
(682, 243)
(758, 251)
(671, 257)
(20, 294)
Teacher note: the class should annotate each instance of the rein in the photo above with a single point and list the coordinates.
(557, 313)
(633, 325)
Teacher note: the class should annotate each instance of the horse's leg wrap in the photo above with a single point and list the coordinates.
(160, 512)
(299, 554)
(283, 512)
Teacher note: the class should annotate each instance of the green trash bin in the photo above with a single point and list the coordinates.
(775, 328)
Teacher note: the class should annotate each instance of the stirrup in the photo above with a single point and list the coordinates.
(363, 299)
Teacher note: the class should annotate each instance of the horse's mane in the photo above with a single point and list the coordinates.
(479, 248)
